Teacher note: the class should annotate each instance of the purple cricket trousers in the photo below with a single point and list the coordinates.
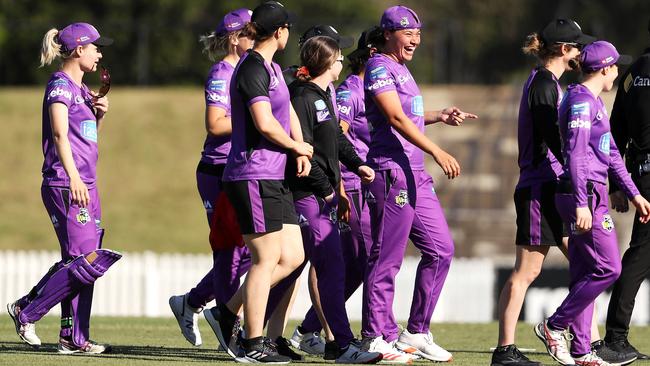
(355, 243)
(594, 265)
(79, 232)
(403, 205)
(320, 237)
(222, 281)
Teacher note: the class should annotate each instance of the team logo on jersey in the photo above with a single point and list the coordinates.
(322, 113)
(579, 123)
(580, 109)
(402, 79)
(370, 198)
(343, 95)
(217, 85)
(302, 221)
(417, 106)
(344, 227)
(83, 217)
(274, 82)
(89, 130)
(604, 143)
(378, 73)
(78, 99)
(608, 223)
(404, 21)
(333, 217)
(320, 105)
(599, 116)
(402, 198)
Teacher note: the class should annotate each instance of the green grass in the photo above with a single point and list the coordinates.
(157, 341)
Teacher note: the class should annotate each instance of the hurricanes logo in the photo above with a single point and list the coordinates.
(404, 21)
(402, 198)
(608, 223)
(83, 217)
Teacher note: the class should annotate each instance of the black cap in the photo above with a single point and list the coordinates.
(565, 31)
(327, 31)
(270, 16)
(369, 39)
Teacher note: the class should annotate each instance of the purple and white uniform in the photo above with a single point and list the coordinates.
(77, 228)
(222, 281)
(403, 205)
(590, 154)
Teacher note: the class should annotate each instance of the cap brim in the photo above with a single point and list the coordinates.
(291, 17)
(345, 42)
(103, 41)
(357, 53)
(624, 60)
(585, 39)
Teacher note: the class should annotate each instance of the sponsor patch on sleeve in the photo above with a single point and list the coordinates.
(417, 106)
(343, 95)
(217, 85)
(604, 143)
(580, 109)
(378, 73)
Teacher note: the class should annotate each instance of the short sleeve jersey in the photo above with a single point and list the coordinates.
(252, 156)
(536, 162)
(82, 131)
(217, 94)
(589, 151)
(388, 149)
(352, 110)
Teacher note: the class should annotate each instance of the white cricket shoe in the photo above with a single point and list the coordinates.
(389, 353)
(591, 359)
(556, 342)
(26, 332)
(311, 343)
(67, 347)
(187, 318)
(354, 354)
(422, 344)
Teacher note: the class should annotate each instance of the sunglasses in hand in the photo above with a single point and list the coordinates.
(105, 79)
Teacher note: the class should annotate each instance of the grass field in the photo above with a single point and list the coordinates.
(157, 341)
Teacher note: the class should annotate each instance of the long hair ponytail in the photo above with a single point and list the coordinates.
(51, 48)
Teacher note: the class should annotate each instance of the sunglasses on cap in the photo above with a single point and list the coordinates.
(105, 78)
(572, 44)
(340, 58)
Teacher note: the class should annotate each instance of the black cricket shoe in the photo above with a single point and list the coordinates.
(332, 351)
(611, 356)
(623, 346)
(510, 355)
(284, 349)
(225, 326)
(261, 350)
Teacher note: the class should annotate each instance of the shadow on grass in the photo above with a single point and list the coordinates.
(150, 353)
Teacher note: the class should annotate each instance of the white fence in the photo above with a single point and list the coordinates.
(141, 283)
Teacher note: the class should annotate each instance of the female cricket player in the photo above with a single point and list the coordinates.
(222, 281)
(402, 199)
(72, 117)
(590, 154)
(264, 131)
(316, 195)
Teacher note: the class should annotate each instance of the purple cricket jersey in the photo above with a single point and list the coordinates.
(388, 149)
(217, 94)
(533, 169)
(588, 147)
(82, 132)
(252, 156)
(352, 110)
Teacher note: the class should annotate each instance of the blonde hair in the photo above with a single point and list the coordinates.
(535, 46)
(50, 49)
(217, 44)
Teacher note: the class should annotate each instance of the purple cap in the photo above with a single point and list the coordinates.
(81, 34)
(399, 17)
(234, 21)
(600, 54)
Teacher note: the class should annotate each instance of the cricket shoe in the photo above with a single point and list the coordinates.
(309, 342)
(26, 332)
(187, 318)
(388, 352)
(261, 350)
(422, 344)
(284, 348)
(67, 347)
(591, 359)
(332, 351)
(225, 326)
(607, 354)
(511, 356)
(555, 342)
(354, 354)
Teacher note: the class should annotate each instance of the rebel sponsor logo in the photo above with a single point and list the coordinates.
(214, 97)
(381, 84)
(345, 109)
(59, 92)
(83, 217)
(579, 123)
(402, 198)
(607, 223)
(641, 81)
